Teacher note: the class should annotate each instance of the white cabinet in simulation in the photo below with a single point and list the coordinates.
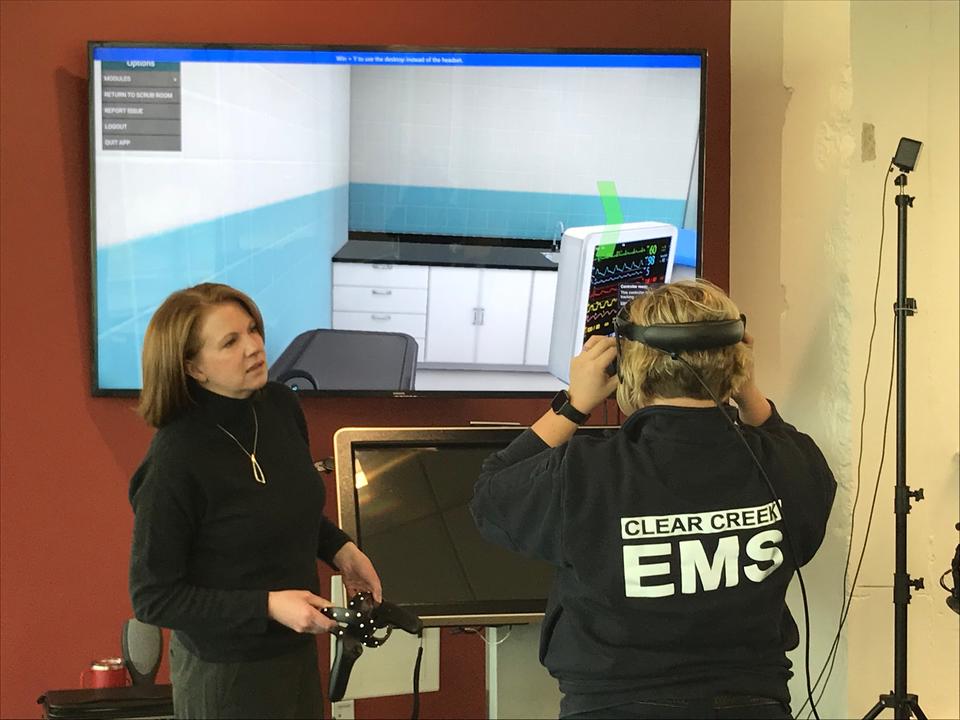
(381, 298)
(540, 325)
(504, 309)
(459, 316)
(478, 315)
(452, 314)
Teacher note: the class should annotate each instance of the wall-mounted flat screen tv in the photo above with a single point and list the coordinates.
(404, 494)
(398, 214)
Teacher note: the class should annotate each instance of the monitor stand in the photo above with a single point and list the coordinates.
(518, 686)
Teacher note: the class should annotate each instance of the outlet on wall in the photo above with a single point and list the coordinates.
(342, 710)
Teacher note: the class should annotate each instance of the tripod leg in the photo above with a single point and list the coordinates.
(915, 706)
(875, 710)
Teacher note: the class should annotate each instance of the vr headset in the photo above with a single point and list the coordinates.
(675, 338)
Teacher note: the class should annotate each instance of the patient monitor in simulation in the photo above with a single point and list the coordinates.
(602, 268)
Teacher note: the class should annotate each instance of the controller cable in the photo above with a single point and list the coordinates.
(416, 680)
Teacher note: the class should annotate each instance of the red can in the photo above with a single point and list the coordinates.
(105, 673)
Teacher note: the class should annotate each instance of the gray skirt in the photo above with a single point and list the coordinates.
(287, 686)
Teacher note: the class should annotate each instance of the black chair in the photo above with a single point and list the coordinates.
(142, 647)
(347, 360)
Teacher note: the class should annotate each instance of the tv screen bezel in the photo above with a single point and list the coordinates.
(98, 391)
(462, 614)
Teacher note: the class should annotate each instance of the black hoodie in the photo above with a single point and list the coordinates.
(672, 565)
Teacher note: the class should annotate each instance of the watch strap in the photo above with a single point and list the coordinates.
(561, 406)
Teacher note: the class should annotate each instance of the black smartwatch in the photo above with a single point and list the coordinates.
(561, 406)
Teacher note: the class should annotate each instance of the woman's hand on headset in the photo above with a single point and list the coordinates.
(590, 384)
(752, 405)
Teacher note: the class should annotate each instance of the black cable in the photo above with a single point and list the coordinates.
(844, 601)
(866, 536)
(416, 680)
(846, 609)
(786, 532)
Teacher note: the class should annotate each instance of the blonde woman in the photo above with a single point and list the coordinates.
(228, 517)
(672, 566)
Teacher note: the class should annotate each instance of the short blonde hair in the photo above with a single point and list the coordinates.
(648, 374)
(173, 338)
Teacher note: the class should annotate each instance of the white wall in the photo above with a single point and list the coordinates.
(785, 215)
(805, 226)
(252, 135)
(553, 130)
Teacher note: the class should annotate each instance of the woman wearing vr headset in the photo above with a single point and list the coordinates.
(672, 562)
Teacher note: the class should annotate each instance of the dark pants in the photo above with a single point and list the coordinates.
(282, 687)
(693, 710)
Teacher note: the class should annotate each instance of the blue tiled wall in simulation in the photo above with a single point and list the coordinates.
(494, 213)
(279, 254)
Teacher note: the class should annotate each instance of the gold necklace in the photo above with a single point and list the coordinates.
(257, 471)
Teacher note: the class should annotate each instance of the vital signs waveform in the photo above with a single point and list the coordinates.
(602, 304)
(620, 271)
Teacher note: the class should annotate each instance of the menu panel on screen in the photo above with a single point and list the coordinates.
(361, 196)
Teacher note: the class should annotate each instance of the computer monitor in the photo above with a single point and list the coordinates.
(404, 495)
(415, 193)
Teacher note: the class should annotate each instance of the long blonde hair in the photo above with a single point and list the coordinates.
(173, 338)
(649, 374)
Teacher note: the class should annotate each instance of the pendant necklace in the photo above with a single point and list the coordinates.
(257, 471)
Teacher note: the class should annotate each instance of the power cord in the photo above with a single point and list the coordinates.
(831, 656)
(845, 599)
(479, 632)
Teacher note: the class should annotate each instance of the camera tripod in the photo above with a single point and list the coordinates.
(903, 703)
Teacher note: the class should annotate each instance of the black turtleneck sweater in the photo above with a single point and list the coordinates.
(210, 542)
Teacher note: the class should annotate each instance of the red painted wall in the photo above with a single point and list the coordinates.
(66, 456)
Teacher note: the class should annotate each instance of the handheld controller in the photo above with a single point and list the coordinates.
(358, 623)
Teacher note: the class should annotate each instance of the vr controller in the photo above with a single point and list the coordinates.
(358, 623)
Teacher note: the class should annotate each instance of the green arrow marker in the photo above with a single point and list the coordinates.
(613, 215)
